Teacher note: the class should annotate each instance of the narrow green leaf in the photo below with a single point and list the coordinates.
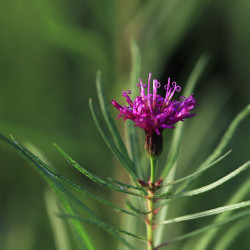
(58, 226)
(227, 136)
(207, 213)
(132, 137)
(107, 116)
(62, 193)
(97, 198)
(176, 141)
(76, 187)
(75, 200)
(133, 208)
(59, 190)
(85, 192)
(110, 144)
(82, 233)
(82, 190)
(205, 229)
(243, 191)
(92, 176)
(216, 183)
(225, 240)
(197, 173)
(123, 185)
(136, 66)
(210, 186)
(49, 174)
(103, 225)
(100, 223)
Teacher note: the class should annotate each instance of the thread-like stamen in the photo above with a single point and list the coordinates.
(128, 99)
(149, 80)
(176, 88)
(142, 90)
(168, 90)
(154, 92)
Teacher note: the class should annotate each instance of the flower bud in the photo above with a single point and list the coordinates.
(153, 143)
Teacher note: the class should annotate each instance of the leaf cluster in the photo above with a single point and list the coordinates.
(130, 159)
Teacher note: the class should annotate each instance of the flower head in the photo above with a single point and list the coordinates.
(154, 113)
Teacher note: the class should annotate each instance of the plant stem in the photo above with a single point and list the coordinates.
(153, 168)
(151, 215)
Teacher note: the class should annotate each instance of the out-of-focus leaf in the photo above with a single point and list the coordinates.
(204, 242)
(78, 188)
(225, 139)
(103, 225)
(131, 133)
(205, 229)
(72, 38)
(231, 234)
(162, 36)
(133, 208)
(176, 141)
(227, 136)
(64, 195)
(58, 226)
(123, 185)
(107, 116)
(177, 135)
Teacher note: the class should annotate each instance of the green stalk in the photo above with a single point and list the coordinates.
(151, 199)
(153, 169)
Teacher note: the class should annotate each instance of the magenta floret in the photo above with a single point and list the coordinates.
(152, 112)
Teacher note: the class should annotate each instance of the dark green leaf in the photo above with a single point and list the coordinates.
(210, 186)
(197, 173)
(123, 160)
(92, 176)
(227, 136)
(123, 185)
(107, 116)
(133, 208)
(63, 194)
(103, 225)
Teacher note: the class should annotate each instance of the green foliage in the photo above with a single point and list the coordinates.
(50, 52)
(68, 199)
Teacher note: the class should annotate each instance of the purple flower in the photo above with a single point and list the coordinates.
(152, 112)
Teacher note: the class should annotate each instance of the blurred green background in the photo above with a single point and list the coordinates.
(50, 52)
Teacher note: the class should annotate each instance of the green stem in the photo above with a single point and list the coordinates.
(153, 169)
(151, 198)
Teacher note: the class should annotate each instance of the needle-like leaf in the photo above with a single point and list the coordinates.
(210, 186)
(92, 176)
(207, 213)
(117, 153)
(103, 225)
(63, 194)
(197, 173)
(205, 229)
